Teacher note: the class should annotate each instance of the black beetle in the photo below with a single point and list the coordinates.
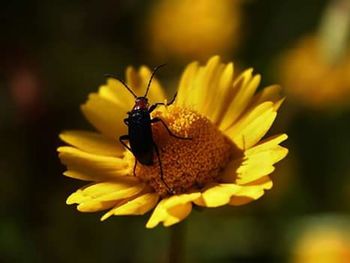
(139, 124)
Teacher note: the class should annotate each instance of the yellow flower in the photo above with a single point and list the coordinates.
(323, 242)
(188, 29)
(312, 80)
(224, 163)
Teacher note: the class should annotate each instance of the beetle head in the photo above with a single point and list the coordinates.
(141, 103)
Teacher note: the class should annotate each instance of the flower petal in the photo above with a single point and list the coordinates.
(138, 81)
(257, 161)
(135, 206)
(105, 115)
(90, 206)
(209, 87)
(95, 167)
(92, 142)
(217, 195)
(156, 93)
(250, 193)
(205, 85)
(223, 194)
(185, 85)
(177, 213)
(169, 217)
(270, 93)
(267, 144)
(253, 126)
(100, 196)
(245, 86)
(81, 175)
(172, 210)
(222, 95)
(181, 199)
(115, 92)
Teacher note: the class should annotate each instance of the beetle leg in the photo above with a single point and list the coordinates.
(172, 100)
(134, 170)
(125, 138)
(156, 119)
(154, 106)
(122, 139)
(171, 191)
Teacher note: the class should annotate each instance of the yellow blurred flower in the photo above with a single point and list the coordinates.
(323, 244)
(225, 162)
(187, 29)
(311, 79)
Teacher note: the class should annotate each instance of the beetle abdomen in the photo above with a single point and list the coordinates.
(145, 158)
(142, 146)
(140, 137)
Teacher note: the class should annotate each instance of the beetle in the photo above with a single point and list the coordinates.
(139, 123)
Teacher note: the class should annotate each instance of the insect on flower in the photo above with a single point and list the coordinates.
(227, 161)
(139, 124)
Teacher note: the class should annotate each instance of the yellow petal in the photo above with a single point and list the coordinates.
(229, 174)
(135, 206)
(253, 126)
(169, 217)
(105, 191)
(270, 93)
(222, 95)
(181, 199)
(252, 166)
(177, 214)
(100, 196)
(95, 167)
(278, 104)
(105, 116)
(172, 210)
(159, 214)
(138, 81)
(90, 206)
(250, 193)
(217, 195)
(185, 85)
(259, 160)
(245, 86)
(267, 144)
(79, 175)
(134, 81)
(265, 181)
(115, 92)
(92, 142)
(202, 83)
(205, 87)
(156, 93)
(222, 194)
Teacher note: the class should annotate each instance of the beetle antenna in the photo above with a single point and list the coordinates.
(150, 80)
(122, 82)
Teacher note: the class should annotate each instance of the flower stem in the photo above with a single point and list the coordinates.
(177, 243)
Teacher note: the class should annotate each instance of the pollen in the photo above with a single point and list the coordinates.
(186, 163)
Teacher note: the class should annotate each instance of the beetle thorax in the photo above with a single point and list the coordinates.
(141, 103)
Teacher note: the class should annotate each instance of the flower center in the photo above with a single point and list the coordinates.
(189, 163)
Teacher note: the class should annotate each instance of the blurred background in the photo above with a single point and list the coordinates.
(53, 53)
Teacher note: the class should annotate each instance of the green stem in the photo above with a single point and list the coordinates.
(177, 243)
